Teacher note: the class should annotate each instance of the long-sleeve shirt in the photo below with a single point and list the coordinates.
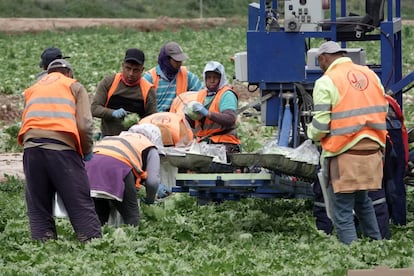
(128, 97)
(84, 124)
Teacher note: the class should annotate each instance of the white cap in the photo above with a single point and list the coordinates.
(329, 47)
(152, 132)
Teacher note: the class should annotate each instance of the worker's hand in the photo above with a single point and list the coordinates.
(199, 108)
(163, 191)
(88, 157)
(119, 113)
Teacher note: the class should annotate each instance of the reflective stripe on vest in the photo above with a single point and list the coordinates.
(50, 105)
(127, 149)
(181, 82)
(143, 83)
(210, 127)
(361, 110)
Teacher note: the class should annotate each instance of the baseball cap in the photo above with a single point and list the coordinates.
(59, 63)
(329, 47)
(49, 55)
(175, 51)
(135, 55)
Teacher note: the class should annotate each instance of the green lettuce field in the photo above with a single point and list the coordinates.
(177, 236)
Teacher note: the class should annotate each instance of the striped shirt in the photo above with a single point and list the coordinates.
(166, 89)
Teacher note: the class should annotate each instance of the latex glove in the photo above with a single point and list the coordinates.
(163, 191)
(198, 107)
(119, 113)
(88, 157)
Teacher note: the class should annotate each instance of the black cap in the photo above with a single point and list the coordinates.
(135, 55)
(49, 55)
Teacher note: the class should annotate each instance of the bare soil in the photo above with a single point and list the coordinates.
(18, 25)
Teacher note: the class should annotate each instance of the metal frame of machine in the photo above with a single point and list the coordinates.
(276, 63)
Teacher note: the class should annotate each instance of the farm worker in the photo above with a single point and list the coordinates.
(183, 99)
(120, 165)
(122, 93)
(56, 135)
(48, 55)
(352, 134)
(213, 115)
(169, 77)
(174, 128)
(390, 201)
(176, 132)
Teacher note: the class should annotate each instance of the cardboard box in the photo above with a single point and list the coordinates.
(381, 271)
(358, 56)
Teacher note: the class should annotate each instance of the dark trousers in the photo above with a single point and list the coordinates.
(49, 171)
(128, 208)
(394, 172)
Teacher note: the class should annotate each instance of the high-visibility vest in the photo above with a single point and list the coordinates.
(143, 83)
(361, 110)
(128, 149)
(50, 105)
(177, 105)
(181, 82)
(209, 128)
(175, 124)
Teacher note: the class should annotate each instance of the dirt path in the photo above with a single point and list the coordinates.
(19, 25)
(11, 165)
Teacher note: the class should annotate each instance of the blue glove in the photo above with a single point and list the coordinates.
(163, 191)
(88, 157)
(119, 113)
(198, 107)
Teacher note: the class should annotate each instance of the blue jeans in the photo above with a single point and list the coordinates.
(343, 205)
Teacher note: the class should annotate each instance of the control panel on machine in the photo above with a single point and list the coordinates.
(303, 15)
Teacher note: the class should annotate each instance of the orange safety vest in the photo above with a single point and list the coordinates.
(209, 128)
(127, 149)
(177, 105)
(173, 122)
(181, 80)
(361, 110)
(143, 83)
(50, 105)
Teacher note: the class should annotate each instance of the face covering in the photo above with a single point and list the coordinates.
(164, 61)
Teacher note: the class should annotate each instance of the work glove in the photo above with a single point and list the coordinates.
(88, 157)
(119, 113)
(198, 107)
(163, 191)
